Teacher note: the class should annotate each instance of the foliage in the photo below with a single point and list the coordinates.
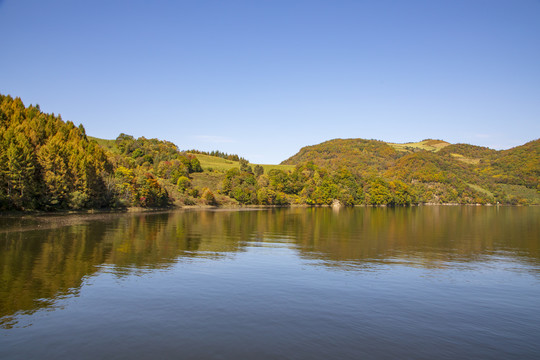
(140, 188)
(46, 163)
(240, 185)
(217, 153)
(518, 166)
(258, 170)
(433, 170)
(183, 183)
(362, 157)
(209, 197)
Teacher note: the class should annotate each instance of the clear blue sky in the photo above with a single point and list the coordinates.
(263, 78)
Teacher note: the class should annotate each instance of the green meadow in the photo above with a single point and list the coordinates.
(214, 163)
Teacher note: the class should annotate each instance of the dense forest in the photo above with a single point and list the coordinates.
(48, 164)
(444, 173)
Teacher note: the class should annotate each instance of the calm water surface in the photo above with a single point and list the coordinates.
(370, 283)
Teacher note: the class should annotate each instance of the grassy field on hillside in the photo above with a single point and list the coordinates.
(211, 180)
(107, 144)
(268, 167)
(429, 145)
(466, 160)
(521, 191)
(207, 162)
(481, 189)
(216, 163)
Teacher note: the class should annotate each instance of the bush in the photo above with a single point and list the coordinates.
(183, 183)
(78, 200)
(209, 197)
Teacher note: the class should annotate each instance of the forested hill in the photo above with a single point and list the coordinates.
(435, 165)
(49, 164)
(368, 157)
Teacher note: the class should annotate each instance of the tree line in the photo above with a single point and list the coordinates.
(217, 153)
(49, 164)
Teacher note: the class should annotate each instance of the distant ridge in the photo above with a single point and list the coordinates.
(436, 163)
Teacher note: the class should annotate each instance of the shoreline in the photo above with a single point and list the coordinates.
(20, 221)
(135, 210)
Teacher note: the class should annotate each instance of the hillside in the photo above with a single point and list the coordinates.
(49, 164)
(362, 156)
(443, 172)
(211, 163)
(519, 165)
(46, 163)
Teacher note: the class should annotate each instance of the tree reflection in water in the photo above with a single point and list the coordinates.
(42, 263)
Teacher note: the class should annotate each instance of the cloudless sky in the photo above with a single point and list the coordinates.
(262, 78)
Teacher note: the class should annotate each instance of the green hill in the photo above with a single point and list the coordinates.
(49, 164)
(359, 155)
(519, 165)
(440, 171)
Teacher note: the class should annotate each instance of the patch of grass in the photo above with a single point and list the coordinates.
(465, 159)
(216, 163)
(268, 167)
(531, 195)
(429, 145)
(209, 179)
(480, 189)
(107, 144)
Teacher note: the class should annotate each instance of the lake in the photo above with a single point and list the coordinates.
(432, 282)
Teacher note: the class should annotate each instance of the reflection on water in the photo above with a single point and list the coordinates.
(46, 260)
(40, 265)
